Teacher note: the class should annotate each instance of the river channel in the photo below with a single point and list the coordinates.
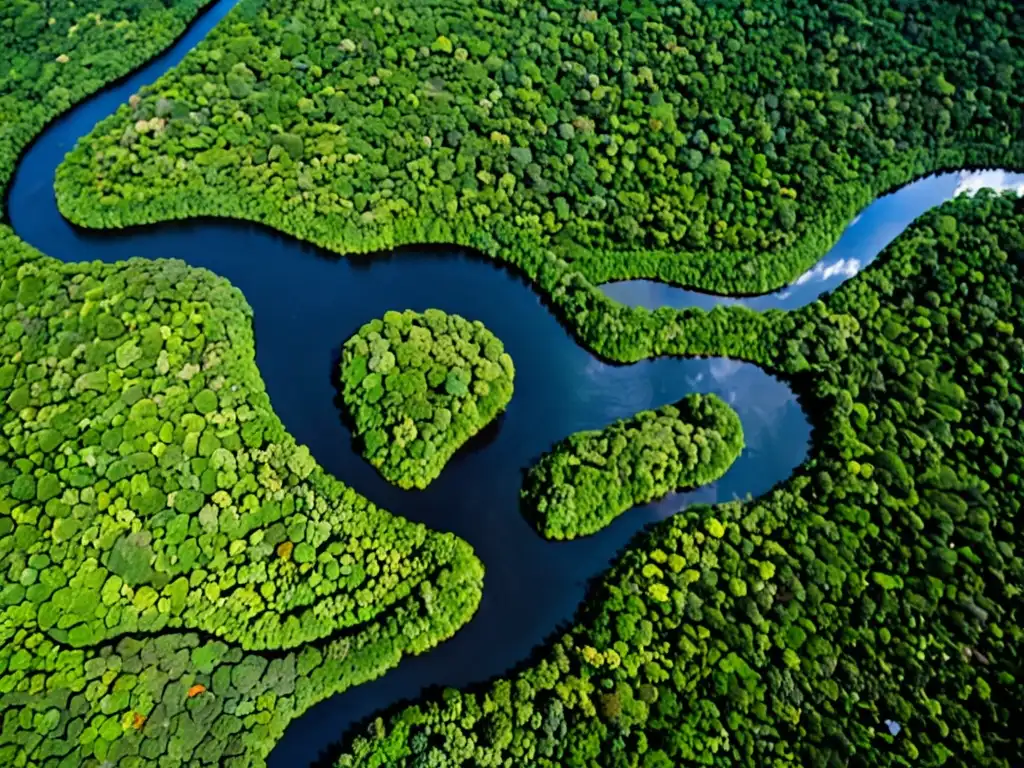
(306, 302)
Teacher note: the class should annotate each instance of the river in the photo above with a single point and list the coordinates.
(306, 302)
(863, 239)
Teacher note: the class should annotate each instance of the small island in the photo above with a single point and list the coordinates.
(591, 477)
(419, 385)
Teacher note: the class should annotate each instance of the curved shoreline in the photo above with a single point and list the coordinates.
(295, 363)
(306, 301)
(865, 237)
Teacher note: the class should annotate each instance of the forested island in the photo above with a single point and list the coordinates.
(592, 477)
(179, 577)
(417, 386)
(180, 580)
(883, 573)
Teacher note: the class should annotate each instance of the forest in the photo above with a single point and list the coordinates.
(592, 477)
(718, 144)
(864, 613)
(178, 574)
(38, 77)
(417, 386)
(179, 578)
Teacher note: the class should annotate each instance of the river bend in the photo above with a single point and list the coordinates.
(306, 302)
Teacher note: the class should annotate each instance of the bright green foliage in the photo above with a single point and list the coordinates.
(148, 521)
(148, 494)
(54, 54)
(721, 144)
(580, 144)
(162, 491)
(590, 478)
(418, 386)
(784, 632)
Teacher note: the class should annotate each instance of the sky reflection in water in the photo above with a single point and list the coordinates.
(864, 238)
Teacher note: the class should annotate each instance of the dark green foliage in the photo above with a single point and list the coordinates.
(188, 501)
(418, 386)
(108, 327)
(130, 558)
(590, 478)
(57, 53)
(719, 144)
(882, 582)
(23, 488)
(145, 486)
(291, 144)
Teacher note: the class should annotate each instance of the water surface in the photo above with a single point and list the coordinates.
(863, 239)
(307, 301)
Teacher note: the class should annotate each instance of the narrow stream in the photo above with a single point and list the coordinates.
(863, 239)
(307, 301)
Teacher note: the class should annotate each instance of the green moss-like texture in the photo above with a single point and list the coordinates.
(718, 144)
(418, 386)
(55, 54)
(159, 530)
(881, 583)
(592, 477)
(178, 579)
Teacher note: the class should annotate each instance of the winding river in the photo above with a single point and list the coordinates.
(863, 239)
(307, 301)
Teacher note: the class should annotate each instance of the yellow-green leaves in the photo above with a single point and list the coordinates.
(590, 478)
(417, 386)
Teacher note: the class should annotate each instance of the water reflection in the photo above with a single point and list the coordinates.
(862, 240)
(306, 302)
(972, 182)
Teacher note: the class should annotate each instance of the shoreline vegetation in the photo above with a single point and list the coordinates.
(877, 585)
(292, 132)
(179, 576)
(861, 613)
(592, 477)
(629, 143)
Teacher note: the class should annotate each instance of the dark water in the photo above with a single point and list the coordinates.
(306, 302)
(864, 238)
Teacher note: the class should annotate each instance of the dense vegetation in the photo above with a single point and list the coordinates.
(57, 53)
(877, 591)
(592, 477)
(160, 530)
(716, 143)
(178, 579)
(418, 386)
(156, 562)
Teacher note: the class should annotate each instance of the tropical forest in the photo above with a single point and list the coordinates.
(419, 386)
(591, 477)
(328, 436)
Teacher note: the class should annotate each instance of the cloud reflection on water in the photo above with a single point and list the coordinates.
(999, 180)
(864, 238)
